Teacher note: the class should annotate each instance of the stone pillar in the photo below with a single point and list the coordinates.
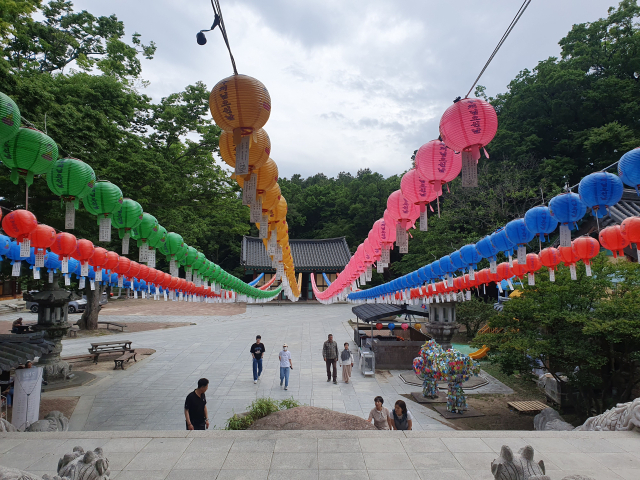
(442, 323)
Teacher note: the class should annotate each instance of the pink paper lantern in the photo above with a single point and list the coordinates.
(438, 164)
(469, 125)
(404, 326)
(419, 191)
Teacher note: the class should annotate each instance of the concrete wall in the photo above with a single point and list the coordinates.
(395, 355)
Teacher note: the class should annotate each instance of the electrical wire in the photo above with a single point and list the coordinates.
(215, 4)
(513, 23)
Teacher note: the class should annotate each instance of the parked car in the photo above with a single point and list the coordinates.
(75, 306)
(103, 299)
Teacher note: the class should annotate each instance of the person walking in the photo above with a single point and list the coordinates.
(379, 414)
(285, 365)
(257, 350)
(330, 355)
(346, 362)
(195, 407)
(400, 418)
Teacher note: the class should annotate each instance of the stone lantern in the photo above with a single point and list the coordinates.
(53, 321)
(442, 324)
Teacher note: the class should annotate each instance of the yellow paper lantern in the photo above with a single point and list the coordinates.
(267, 177)
(259, 149)
(278, 213)
(417, 326)
(270, 198)
(240, 104)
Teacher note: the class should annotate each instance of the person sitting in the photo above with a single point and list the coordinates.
(400, 418)
(379, 414)
(14, 326)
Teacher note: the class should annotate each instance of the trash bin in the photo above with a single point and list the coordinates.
(367, 362)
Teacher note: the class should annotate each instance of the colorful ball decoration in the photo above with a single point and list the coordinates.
(599, 191)
(437, 164)
(29, 152)
(102, 200)
(630, 229)
(539, 221)
(612, 239)
(469, 125)
(70, 179)
(379, 326)
(586, 248)
(240, 104)
(629, 168)
(550, 258)
(9, 118)
(126, 216)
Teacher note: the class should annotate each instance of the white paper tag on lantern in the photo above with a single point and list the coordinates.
(249, 190)
(468, 294)
(36, 273)
(81, 283)
(369, 273)
(39, 259)
(135, 294)
(120, 281)
(164, 292)
(188, 274)
(65, 265)
(510, 261)
(522, 254)
(552, 275)
(423, 220)
(379, 267)
(588, 269)
(264, 227)
(362, 278)
(105, 229)
(151, 258)
(255, 211)
(142, 252)
(67, 279)
(69, 215)
(493, 267)
(532, 279)
(157, 291)
(25, 248)
(385, 258)
(92, 284)
(499, 285)
(402, 239)
(143, 294)
(242, 156)
(572, 269)
(450, 281)
(98, 274)
(469, 170)
(125, 244)
(172, 266)
(84, 269)
(15, 269)
(510, 284)
(565, 236)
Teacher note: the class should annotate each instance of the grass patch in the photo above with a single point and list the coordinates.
(258, 409)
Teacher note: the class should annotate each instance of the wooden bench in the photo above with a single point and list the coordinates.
(121, 347)
(124, 358)
(121, 326)
(77, 357)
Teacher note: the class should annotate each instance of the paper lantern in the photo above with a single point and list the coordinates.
(113, 259)
(471, 257)
(501, 241)
(5, 244)
(612, 239)
(468, 125)
(437, 164)
(19, 224)
(101, 200)
(391, 326)
(519, 234)
(630, 229)
(124, 264)
(278, 213)
(84, 251)
(134, 270)
(240, 103)
(9, 118)
(172, 247)
(404, 326)
(29, 152)
(533, 265)
(70, 179)
(148, 226)
(16, 254)
(629, 168)
(418, 191)
(567, 208)
(570, 259)
(599, 191)
(259, 149)
(586, 248)
(487, 250)
(402, 211)
(42, 237)
(539, 221)
(98, 260)
(518, 269)
(550, 258)
(266, 178)
(126, 216)
(504, 272)
(155, 241)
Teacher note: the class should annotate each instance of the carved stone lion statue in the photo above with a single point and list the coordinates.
(508, 467)
(5, 426)
(7, 473)
(624, 416)
(79, 465)
(55, 421)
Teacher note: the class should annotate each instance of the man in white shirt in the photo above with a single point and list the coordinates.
(285, 365)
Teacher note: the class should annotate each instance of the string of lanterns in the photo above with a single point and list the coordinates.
(28, 153)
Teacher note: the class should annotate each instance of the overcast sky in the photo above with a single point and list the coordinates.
(354, 83)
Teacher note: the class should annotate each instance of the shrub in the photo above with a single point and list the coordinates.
(258, 409)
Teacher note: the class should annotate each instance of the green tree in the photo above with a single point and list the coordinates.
(474, 314)
(588, 329)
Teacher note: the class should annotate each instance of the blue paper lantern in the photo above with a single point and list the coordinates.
(457, 261)
(445, 264)
(487, 249)
(600, 190)
(567, 208)
(539, 221)
(629, 168)
(437, 271)
(424, 273)
(501, 241)
(470, 255)
(518, 232)
(391, 326)
(5, 245)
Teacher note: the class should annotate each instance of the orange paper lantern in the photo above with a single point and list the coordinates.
(259, 149)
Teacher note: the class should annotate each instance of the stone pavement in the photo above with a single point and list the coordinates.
(150, 395)
(327, 455)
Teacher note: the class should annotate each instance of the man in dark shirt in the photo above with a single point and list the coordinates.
(257, 349)
(195, 407)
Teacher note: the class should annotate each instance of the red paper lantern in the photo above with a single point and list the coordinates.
(519, 270)
(379, 326)
(550, 258)
(568, 256)
(64, 245)
(504, 271)
(612, 239)
(586, 248)
(19, 224)
(483, 277)
(469, 125)
(134, 270)
(113, 260)
(124, 264)
(437, 164)
(84, 251)
(630, 229)
(173, 283)
(533, 265)
(99, 258)
(42, 237)
(144, 272)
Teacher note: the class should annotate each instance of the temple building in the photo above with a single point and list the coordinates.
(324, 257)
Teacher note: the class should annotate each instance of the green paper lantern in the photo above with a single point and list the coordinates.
(148, 226)
(190, 257)
(101, 200)
(9, 118)
(30, 152)
(127, 216)
(157, 237)
(70, 179)
(173, 247)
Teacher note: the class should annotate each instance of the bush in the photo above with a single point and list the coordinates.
(258, 409)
